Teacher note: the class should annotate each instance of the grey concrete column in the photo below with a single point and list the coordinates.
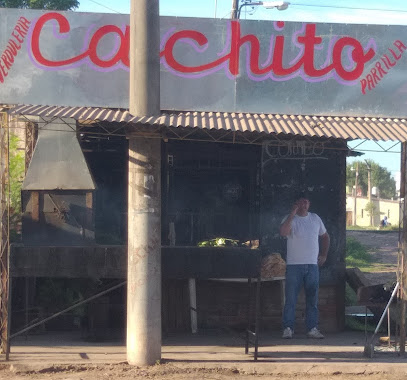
(144, 195)
(144, 252)
(144, 96)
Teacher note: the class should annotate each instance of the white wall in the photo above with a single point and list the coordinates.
(383, 207)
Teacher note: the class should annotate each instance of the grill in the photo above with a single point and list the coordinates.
(58, 191)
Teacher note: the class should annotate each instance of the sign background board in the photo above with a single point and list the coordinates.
(86, 84)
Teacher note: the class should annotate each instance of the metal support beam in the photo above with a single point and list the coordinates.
(5, 234)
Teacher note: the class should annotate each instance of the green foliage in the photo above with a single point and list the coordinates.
(17, 169)
(356, 254)
(361, 228)
(62, 5)
(389, 228)
(380, 178)
(370, 208)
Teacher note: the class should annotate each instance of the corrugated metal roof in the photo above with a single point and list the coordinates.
(348, 128)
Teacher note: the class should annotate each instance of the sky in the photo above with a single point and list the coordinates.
(341, 11)
(388, 12)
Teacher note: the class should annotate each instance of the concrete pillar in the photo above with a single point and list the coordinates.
(144, 96)
(144, 195)
(144, 252)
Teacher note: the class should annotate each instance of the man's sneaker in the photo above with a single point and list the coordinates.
(287, 333)
(314, 333)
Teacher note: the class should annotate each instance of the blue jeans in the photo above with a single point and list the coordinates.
(297, 276)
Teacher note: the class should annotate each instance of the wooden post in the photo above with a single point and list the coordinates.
(4, 235)
(402, 270)
(89, 212)
(235, 7)
(355, 195)
(35, 206)
(369, 190)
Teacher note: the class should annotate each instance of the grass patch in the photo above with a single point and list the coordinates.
(390, 228)
(360, 228)
(356, 254)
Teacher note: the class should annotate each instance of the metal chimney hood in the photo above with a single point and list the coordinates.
(58, 162)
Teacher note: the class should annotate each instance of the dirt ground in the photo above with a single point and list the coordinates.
(166, 372)
(170, 372)
(383, 247)
(384, 250)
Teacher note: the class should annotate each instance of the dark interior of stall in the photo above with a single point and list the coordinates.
(210, 192)
(107, 160)
(213, 195)
(318, 176)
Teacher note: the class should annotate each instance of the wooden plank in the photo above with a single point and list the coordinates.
(89, 211)
(356, 279)
(35, 206)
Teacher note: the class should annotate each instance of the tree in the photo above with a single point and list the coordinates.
(371, 211)
(16, 173)
(61, 5)
(381, 178)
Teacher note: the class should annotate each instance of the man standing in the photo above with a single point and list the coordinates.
(307, 248)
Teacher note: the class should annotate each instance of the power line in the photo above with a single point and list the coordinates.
(105, 6)
(295, 4)
(352, 8)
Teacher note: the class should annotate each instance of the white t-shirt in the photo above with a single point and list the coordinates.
(302, 243)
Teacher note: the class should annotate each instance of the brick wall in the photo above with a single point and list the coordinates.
(225, 304)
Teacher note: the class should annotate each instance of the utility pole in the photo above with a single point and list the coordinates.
(369, 190)
(354, 221)
(235, 7)
(144, 190)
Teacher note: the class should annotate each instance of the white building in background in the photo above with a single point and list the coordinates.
(384, 207)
